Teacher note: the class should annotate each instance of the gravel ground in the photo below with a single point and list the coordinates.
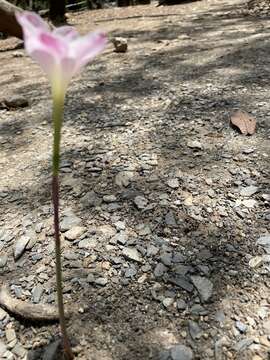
(165, 207)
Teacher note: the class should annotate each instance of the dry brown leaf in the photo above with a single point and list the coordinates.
(244, 122)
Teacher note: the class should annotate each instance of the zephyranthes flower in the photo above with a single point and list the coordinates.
(61, 53)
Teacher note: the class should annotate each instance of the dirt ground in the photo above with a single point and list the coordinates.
(165, 207)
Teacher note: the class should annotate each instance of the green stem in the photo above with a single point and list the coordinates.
(58, 106)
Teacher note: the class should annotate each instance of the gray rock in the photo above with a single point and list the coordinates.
(6, 236)
(140, 202)
(195, 144)
(181, 352)
(37, 293)
(152, 250)
(19, 350)
(167, 302)
(52, 351)
(100, 281)
(248, 190)
(160, 269)
(204, 287)
(173, 183)
(130, 272)
(131, 254)
(3, 260)
(109, 198)
(243, 344)
(197, 309)
(194, 330)
(16, 101)
(88, 243)
(120, 225)
(182, 282)
(181, 304)
(91, 199)
(166, 258)
(69, 221)
(170, 219)
(123, 178)
(20, 246)
(75, 233)
(264, 241)
(120, 238)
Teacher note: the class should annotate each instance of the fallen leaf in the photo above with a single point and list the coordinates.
(244, 122)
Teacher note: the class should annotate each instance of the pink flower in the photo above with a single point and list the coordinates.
(61, 52)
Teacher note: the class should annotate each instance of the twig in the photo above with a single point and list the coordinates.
(35, 312)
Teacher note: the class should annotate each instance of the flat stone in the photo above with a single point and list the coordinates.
(166, 258)
(123, 178)
(167, 302)
(204, 287)
(198, 309)
(91, 199)
(195, 144)
(19, 350)
(69, 221)
(181, 352)
(140, 202)
(16, 101)
(10, 334)
(173, 183)
(109, 198)
(3, 260)
(20, 246)
(3, 314)
(101, 281)
(182, 282)
(243, 344)
(249, 203)
(131, 254)
(194, 330)
(37, 293)
(160, 269)
(248, 190)
(75, 233)
(170, 219)
(264, 241)
(255, 262)
(181, 304)
(88, 243)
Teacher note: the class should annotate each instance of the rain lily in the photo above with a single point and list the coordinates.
(61, 53)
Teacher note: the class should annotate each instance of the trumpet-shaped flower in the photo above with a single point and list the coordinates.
(61, 52)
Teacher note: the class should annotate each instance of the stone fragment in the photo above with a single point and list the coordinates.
(195, 144)
(101, 281)
(204, 287)
(16, 101)
(140, 202)
(123, 178)
(69, 221)
(173, 183)
(91, 199)
(182, 282)
(120, 44)
(131, 254)
(37, 293)
(3, 260)
(194, 330)
(75, 233)
(160, 269)
(20, 246)
(181, 352)
(248, 190)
